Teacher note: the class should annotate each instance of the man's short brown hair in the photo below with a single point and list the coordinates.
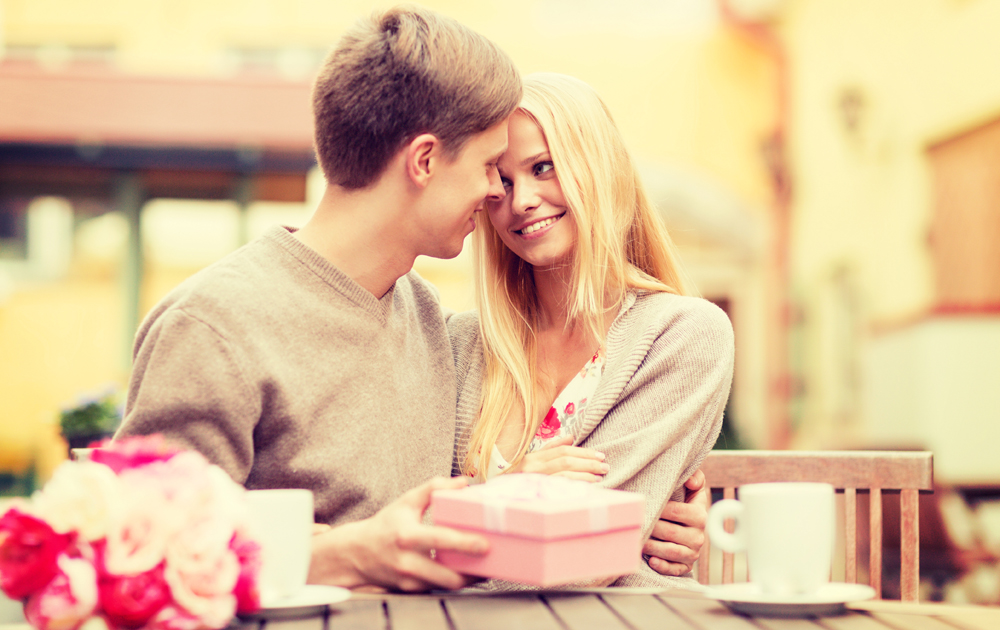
(401, 73)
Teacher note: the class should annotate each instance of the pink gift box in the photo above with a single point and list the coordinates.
(543, 530)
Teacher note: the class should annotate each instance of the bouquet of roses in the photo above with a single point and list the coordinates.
(141, 535)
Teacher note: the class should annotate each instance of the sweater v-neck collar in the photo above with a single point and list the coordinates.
(332, 275)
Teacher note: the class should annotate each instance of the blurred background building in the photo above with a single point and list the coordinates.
(829, 168)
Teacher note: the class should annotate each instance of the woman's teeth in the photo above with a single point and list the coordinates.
(534, 227)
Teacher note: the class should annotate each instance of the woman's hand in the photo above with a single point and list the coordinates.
(560, 457)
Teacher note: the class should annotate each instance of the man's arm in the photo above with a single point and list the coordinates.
(679, 535)
(393, 549)
(188, 384)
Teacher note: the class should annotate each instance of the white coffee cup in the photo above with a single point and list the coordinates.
(281, 522)
(787, 530)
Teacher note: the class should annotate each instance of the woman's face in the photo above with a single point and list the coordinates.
(533, 219)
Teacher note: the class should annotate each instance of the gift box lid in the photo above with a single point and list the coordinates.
(538, 506)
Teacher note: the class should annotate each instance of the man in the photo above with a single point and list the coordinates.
(316, 358)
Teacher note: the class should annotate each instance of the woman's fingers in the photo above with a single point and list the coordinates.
(568, 461)
(566, 440)
(579, 475)
(556, 452)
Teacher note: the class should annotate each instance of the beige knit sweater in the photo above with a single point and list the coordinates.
(657, 410)
(288, 374)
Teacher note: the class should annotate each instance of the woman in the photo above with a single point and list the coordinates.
(587, 358)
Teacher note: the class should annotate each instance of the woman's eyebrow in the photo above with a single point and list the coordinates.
(529, 160)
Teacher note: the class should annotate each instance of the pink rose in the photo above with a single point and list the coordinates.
(130, 601)
(550, 425)
(247, 589)
(29, 549)
(68, 600)
(172, 617)
(570, 409)
(137, 537)
(133, 452)
(203, 571)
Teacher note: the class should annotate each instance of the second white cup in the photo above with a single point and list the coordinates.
(281, 521)
(787, 530)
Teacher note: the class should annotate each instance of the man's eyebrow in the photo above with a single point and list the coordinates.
(529, 160)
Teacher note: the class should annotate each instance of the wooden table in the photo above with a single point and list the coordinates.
(614, 609)
(606, 609)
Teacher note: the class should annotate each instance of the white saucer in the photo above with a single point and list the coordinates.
(830, 599)
(311, 600)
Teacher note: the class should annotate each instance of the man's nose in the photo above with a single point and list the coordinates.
(495, 192)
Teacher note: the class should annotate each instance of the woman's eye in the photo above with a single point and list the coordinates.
(506, 182)
(542, 168)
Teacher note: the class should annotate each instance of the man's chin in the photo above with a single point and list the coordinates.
(448, 252)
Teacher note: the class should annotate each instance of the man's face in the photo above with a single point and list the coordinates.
(459, 189)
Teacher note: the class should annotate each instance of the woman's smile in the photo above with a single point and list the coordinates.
(537, 228)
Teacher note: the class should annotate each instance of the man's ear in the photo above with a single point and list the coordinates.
(422, 155)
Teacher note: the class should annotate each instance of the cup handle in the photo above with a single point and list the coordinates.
(717, 515)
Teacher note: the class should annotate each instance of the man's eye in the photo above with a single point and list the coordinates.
(506, 182)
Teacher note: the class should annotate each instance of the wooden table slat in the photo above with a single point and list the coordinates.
(235, 624)
(853, 622)
(967, 617)
(708, 614)
(808, 623)
(643, 612)
(416, 614)
(579, 611)
(357, 614)
(903, 621)
(308, 623)
(974, 620)
(525, 612)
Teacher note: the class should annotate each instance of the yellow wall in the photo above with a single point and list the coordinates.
(923, 69)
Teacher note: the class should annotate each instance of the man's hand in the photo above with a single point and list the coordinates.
(678, 536)
(392, 549)
(560, 457)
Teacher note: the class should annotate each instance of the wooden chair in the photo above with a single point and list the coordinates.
(877, 472)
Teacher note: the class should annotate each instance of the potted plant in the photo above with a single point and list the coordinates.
(94, 417)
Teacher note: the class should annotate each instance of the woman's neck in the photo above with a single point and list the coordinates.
(552, 294)
(552, 289)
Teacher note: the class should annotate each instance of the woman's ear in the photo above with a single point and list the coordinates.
(421, 158)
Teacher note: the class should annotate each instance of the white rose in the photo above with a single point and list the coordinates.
(81, 496)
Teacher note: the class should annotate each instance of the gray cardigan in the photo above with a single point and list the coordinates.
(657, 410)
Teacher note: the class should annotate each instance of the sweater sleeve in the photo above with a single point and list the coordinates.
(668, 414)
(187, 385)
(463, 333)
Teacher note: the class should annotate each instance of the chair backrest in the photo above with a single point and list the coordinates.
(905, 472)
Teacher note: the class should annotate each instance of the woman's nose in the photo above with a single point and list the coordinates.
(525, 198)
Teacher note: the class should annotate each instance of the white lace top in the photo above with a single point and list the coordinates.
(564, 414)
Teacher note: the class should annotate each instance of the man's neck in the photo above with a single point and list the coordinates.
(359, 232)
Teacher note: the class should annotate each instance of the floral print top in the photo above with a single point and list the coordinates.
(564, 414)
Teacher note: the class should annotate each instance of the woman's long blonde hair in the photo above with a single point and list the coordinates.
(621, 243)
